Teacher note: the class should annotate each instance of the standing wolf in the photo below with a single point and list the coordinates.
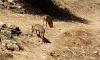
(40, 29)
(48, 20)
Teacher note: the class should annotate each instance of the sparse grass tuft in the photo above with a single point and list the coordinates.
(52, 54)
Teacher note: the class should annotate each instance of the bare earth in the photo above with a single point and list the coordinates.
(69, 40)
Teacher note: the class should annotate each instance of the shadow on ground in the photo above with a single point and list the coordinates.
(45, 40)
(43, 7)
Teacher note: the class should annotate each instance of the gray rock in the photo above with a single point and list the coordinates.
(1, 3)
(8, 34)
(12, 46)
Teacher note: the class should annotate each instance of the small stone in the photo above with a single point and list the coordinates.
(44, 57)
(64, 55)
(83, 51)
(14, 42)
(77, 43)
(3, 44)
(95, 52)
(8, 41)
(58, 58)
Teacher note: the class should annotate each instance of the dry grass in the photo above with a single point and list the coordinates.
(69, 40)
(5, 55)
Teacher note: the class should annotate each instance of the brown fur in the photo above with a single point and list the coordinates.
(48, 20)
(40, 29)
(6, 4)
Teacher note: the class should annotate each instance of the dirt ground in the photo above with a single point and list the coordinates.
(69, 40)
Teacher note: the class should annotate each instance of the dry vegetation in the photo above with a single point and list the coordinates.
(69, 40)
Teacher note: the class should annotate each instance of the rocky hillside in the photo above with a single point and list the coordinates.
(75, 35)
